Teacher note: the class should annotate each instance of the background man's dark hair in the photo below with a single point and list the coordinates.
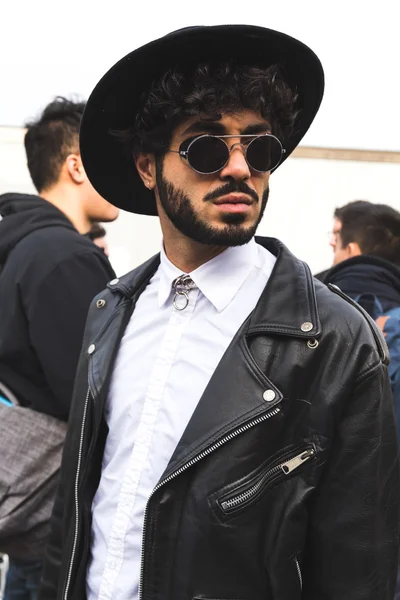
(374, 227)
(209, 90)
(50, 139)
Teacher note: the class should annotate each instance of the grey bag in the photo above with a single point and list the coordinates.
(31, 447)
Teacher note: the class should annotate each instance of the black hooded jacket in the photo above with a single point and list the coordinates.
(49, 275)
(367, 275)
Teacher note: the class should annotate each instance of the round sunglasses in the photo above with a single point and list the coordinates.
(207, 154)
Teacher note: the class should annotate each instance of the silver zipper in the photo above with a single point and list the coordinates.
(192, 462)
(299, 573)
(286, 467)
(78, 469)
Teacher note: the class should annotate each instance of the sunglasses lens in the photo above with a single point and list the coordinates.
(207, 154)
(264, 153)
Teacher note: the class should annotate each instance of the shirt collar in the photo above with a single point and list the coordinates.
(168, 273)
(219, 279)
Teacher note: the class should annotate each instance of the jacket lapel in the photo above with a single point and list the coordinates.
(105, 327)
(234, 395)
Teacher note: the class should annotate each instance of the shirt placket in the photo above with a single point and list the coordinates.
(143, 441)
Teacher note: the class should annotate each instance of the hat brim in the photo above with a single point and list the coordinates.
(115, 99)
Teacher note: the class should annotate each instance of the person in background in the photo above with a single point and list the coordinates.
(223, 446)
(49, 274)
(366, 252)
(366, 248)
(98, 236)
(365, 228)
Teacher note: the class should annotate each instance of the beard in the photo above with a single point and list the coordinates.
(180, 211)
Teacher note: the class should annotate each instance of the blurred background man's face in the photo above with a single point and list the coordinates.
(341, 252)
(96, 207)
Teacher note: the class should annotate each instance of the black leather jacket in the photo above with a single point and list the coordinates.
(285, 484)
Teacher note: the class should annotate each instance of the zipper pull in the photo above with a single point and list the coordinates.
(298, 460)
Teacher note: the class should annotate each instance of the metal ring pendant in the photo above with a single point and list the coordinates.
(181, 294)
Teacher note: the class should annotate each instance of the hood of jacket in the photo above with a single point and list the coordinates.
(367, 275)
(22, 214)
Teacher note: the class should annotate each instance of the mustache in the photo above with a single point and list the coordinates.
(230, 188)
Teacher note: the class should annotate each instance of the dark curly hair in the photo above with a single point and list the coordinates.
(375, 228)
(50, 139)
(209, 90)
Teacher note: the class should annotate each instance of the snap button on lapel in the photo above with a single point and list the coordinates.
(114, 281)
(91, 349)
(100, 303)
(306, 326)
(269, 395)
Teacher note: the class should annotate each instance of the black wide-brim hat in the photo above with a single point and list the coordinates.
(114, 101)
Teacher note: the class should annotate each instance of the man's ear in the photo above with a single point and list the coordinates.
(146, 166)
(353, 249)
(75, 168)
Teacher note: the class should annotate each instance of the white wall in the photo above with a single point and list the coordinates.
(304, 194)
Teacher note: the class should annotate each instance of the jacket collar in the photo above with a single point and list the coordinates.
(287, 306)
(129, 284)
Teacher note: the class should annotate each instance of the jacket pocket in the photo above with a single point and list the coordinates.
(245, 494)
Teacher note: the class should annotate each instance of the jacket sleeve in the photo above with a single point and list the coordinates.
(57, 318)
(353, 531)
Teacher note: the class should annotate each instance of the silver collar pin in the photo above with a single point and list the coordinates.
(181, 287)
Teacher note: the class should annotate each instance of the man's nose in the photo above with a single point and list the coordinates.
(236, 167)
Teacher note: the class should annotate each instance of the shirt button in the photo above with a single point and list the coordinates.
(114, 281)
(91, 349)
(269, 395)
(306, 326)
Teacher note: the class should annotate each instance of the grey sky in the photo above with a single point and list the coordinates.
(52, 47)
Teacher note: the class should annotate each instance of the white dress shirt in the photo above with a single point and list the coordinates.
(165, 361)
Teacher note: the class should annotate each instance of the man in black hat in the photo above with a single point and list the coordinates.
(232, 433)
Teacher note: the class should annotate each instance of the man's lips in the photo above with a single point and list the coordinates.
(233, 199)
